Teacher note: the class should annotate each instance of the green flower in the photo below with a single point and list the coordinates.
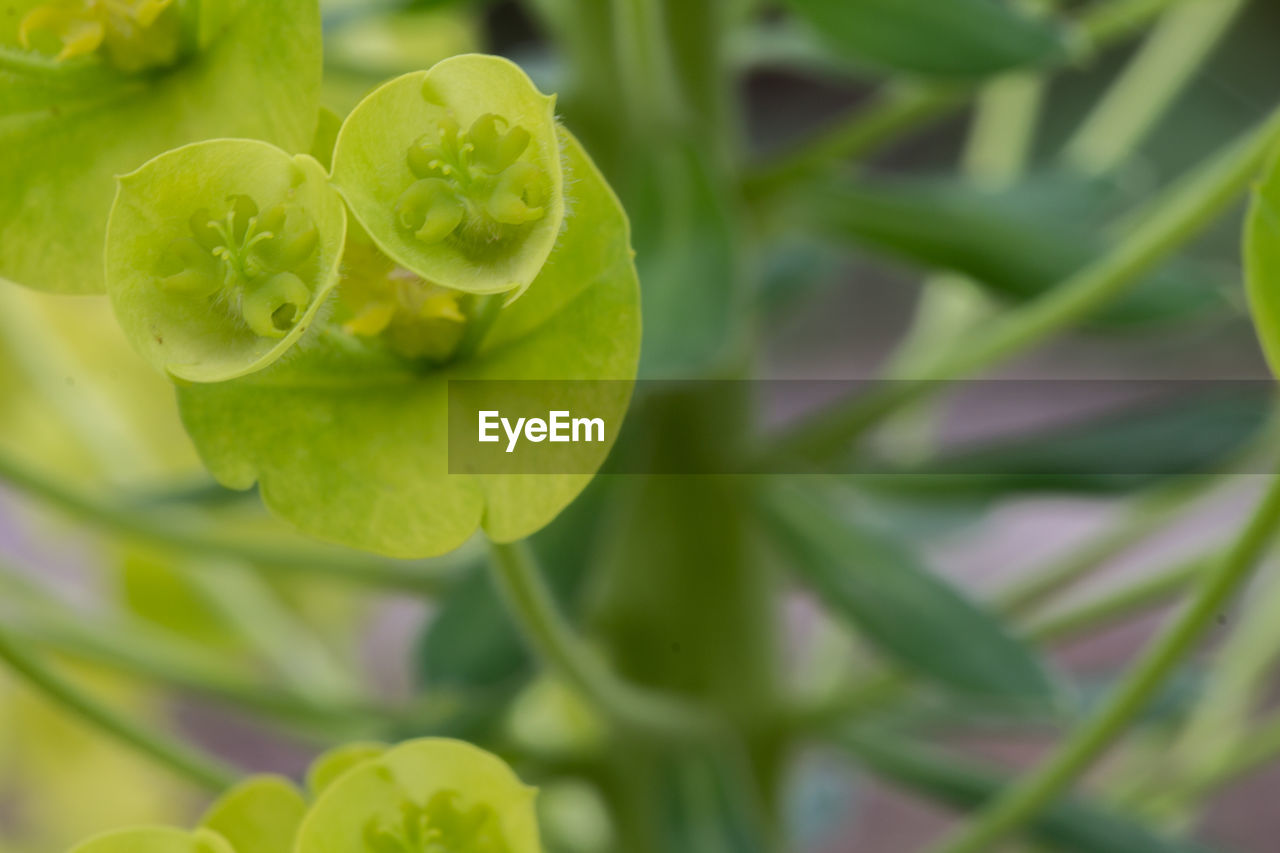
(456, 174)
(220, 255)
(246, 261)
(425, 796)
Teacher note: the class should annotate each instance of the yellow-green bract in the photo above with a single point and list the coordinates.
(424, 795)
(347, 439)
(456, 173)
(219, 255)
(68, 127)
(420, 796)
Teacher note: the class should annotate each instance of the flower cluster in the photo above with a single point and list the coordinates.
(248, 260)
(442, 826)
(471, 184)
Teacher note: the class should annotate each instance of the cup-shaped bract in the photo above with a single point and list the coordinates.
(220, 254)
(456, 173)
(135, 78)
(424, 796)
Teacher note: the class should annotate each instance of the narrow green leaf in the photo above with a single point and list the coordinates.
(1069, 825)
(955, 38)
(1018, 244)
(908, 613)
(260, 815)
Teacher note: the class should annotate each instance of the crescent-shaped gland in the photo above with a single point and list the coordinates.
(472, 188)
(130, 35)
(246, 262)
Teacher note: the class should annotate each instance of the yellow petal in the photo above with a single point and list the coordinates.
(372, 320)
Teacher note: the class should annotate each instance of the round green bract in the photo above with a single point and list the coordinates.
(485, 108)
(164, 285)
(432, 790)
(350, 443)
(260, 815)
(253, 71)
(332, 765)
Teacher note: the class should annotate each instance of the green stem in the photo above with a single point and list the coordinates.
(1109, 21)
(1184, 212)
(1004, 129)
(202, 769)
(1235, 684)
(645, 67)
(1147, 515)
(136, 650)
(96, 417)
(193, 535)
(551, 638)
(1001, 139)
(1149, 86)
(896, 110)
(901, 109)
(1082, 747)
(1120, 603)
(1254, 751)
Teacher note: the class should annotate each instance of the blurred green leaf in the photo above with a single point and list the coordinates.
(911, 615)
(1068, 825)
(1128, 449)
(1262, 263)
(955, 38)
(1019, 243)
